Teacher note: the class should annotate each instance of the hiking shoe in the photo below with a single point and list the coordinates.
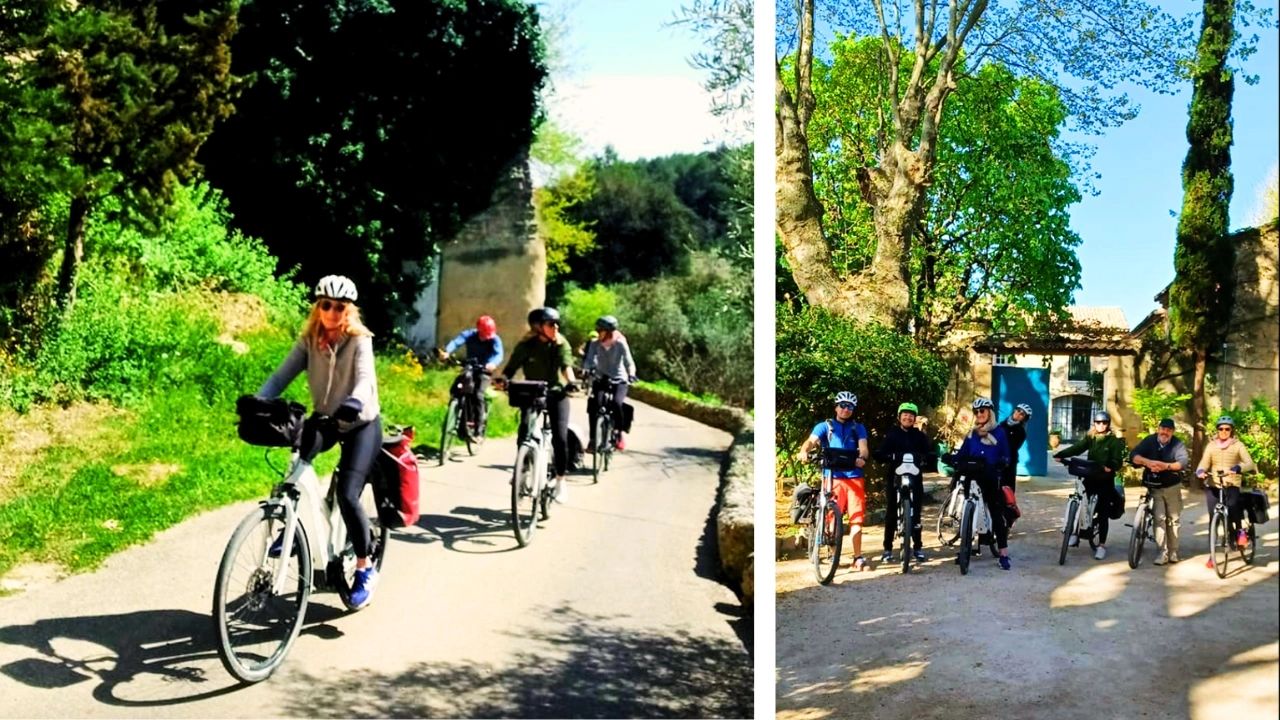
(1004, 562)
(860, 563)
(621, 444)
(1242, 539)
(1173, 558)
(1073, 541)
(1163, 559)
(886, 556)
(1100, 553)
(362, 589)
(1209, 563)
(560, 495)
(918, 555)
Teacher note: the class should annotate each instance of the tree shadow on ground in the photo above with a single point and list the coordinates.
(586, 666)
(140, 659)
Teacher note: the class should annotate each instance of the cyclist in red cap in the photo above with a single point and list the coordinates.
(483, 346)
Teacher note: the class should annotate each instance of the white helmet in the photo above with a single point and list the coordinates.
(1025, 408)
(336, 287)
(847, 397)
(981, 403)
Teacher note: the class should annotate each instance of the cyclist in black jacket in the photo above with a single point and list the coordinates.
(904, 438)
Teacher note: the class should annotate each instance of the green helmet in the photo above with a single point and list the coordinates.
(908, 407)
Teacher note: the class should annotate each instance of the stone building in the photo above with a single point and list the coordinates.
(497, 266)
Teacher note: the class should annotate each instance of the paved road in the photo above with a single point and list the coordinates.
(1088, 639)
(611, 611)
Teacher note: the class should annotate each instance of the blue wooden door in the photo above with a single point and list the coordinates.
(1014, 385)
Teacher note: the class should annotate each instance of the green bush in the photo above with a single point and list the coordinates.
(580, 308)
(820, 354)
(695, 330)
(1155, 405)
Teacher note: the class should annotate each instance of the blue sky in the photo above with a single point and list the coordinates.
(1127, 232)
(629, 83)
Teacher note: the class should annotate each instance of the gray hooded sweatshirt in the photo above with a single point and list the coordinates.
(333, 375)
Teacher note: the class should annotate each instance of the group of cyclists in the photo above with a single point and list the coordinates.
(1162, 456)
(335, 349)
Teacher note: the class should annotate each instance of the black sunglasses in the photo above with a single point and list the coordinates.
(327, 305)
(846, 406)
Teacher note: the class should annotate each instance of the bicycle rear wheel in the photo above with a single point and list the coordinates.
(1139, 537)
(448, 429)
(966, 536)
(1218, 544)
(473, 432)
(1248, 551)
(526, 489)
(829, 534)
(1068, 528)
(255, 626)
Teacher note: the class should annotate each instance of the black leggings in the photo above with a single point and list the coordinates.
(558, 411)
(891, 509)
(360, 446)
(1103, 487)
(615, 406)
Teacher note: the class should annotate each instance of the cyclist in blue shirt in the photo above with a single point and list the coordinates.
(844, 433)
(483, 346)
(988, 442)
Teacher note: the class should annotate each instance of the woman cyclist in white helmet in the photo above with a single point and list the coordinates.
(336, 351)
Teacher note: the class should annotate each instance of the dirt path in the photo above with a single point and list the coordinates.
(1087, 639)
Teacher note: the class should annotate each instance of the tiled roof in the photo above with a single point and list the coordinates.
(1093, 331)
(1105, 317)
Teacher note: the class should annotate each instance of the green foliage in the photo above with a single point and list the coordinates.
(820, 354)
(995, 242)
(1155, 405)
(1200, 296)
(109, 99)
(580, 308)
(553, 207)
(668, 388)
(694, 330)
(1258, 427)
(344, 152)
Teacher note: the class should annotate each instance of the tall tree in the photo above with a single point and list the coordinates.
(125, 94)
(994, 240)
(1098, 43)
(373, 129)
(1200, 296)
(728, 30)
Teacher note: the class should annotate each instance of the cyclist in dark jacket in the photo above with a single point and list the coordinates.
(988, 443)
(484, 347)
(902, 439)
(1165, 459)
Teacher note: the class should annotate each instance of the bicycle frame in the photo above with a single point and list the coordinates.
(299, 494)
(905, 471)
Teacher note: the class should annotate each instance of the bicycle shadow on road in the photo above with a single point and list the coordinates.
(141, 659)
(489, 532)
(571, 664)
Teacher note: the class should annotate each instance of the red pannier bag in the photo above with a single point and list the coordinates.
(396, 492)
(1011, 510)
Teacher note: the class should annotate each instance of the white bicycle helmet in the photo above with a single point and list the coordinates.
(983, 403)
(336, 287)
(1025, 408)
(847, 397)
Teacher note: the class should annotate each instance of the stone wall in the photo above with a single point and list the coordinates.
(496, 266)
(1251, 358)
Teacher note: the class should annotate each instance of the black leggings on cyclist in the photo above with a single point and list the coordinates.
(1231, 498)
(558, 412)
(891, 510)
(360, 446)
(1103, 486)
(615, 406)
(994, 499)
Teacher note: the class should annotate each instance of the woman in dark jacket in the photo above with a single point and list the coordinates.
(900, 440)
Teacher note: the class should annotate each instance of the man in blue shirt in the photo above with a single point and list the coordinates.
(843, 433)
(484, 347)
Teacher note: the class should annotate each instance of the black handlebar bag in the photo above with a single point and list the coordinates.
(269, 423)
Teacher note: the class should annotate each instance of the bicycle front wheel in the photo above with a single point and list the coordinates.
(607, 429)
(255, 625)
(830, 534)
(904, 522)
(1139, 537)
(448, 429)
(949, 520)
(967, 517)
(526, 487)
(1218, 543)
(597, 458)
(1068, 527)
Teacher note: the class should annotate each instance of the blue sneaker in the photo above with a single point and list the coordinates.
(278, 545)
(1004, 562)
(362, 588)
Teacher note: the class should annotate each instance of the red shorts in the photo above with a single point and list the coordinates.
(851, 497)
